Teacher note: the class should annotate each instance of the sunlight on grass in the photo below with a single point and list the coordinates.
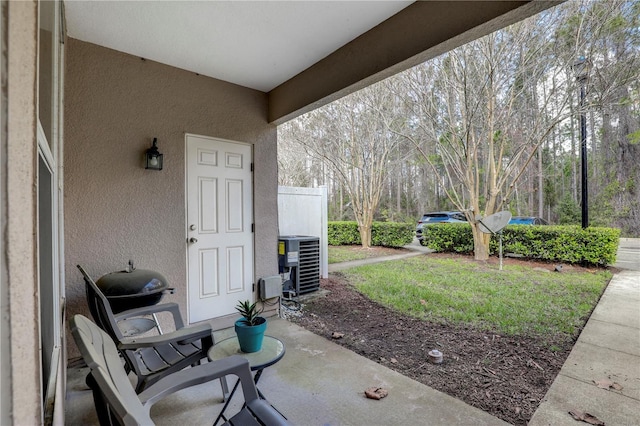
(515, 301)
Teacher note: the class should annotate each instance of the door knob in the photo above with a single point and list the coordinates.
(193, 240)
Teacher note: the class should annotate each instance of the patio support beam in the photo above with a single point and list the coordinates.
(19, 355)
(421, 31)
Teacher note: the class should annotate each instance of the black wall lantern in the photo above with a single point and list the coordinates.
(153, 158)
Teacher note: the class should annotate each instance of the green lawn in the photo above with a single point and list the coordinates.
(339, 254)
(515, 301)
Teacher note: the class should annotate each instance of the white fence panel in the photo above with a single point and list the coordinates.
(303, 211)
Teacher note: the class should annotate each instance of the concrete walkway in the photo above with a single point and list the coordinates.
(628, 256)
(415, 247)
(334, 267)
(608, 348)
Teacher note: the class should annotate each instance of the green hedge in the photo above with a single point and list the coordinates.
(448, 237)
(387, 234)
(343, 233)
(570, 244)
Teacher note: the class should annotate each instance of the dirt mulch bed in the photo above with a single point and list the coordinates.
(504, 376)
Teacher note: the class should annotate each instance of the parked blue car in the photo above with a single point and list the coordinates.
(527, 220)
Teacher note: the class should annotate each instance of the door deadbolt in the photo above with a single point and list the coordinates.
(192, 227)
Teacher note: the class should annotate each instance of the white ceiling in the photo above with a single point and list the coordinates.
(257, 44)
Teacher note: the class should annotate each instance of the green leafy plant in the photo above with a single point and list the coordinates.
(386, 234)
(250, 312)
(570, 244)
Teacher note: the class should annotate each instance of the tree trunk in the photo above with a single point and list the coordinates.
(480, 243)
(365, 235)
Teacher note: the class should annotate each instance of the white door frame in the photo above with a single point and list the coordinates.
(225, 270)
(50, 152)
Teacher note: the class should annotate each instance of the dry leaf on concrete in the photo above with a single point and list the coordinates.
(608, 384)
(603, 383)
(586, 417)
(376, 393)
(337, 335)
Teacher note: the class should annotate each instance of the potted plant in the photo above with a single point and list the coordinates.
(251, 327)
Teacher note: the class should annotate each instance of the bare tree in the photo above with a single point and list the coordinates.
(480, 107)
(493, 124)
(350, 138)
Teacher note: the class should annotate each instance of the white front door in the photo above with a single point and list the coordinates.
(219, 220)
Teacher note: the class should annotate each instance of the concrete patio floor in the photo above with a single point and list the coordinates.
(316, 383)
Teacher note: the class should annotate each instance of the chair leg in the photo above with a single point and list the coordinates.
(99, 402)
(225, 388)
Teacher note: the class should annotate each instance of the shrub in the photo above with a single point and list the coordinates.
(387, 234)
(448, 237)
(392, 234)
(570, 244)
(343, 233)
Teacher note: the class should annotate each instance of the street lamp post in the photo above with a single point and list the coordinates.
(581, 68)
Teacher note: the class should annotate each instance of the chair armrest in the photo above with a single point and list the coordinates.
(154, 309)
(198, 374)
(267, 414)
(182, 336)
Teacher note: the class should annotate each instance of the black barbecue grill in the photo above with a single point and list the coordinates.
(133, 288)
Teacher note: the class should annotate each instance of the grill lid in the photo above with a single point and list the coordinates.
(132, 282)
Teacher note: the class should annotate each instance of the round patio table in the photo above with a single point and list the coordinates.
(272, 351)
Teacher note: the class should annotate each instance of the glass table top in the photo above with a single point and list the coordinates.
(272, 351)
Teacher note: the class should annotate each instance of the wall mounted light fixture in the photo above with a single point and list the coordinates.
(153, 158)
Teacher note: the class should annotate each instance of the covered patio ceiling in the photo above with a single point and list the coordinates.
(304, 54)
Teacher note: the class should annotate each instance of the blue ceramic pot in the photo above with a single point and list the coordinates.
(250, 336)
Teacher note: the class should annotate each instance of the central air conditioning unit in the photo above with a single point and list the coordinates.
(299, 256)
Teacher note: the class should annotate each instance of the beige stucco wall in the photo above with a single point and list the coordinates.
(19, 234)
(115, 210)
